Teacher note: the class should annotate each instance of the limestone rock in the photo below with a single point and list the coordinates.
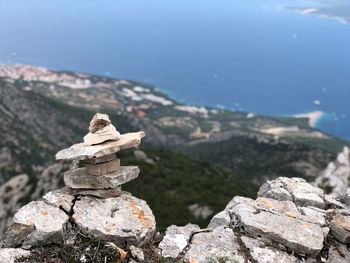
(36, 223)
(221, 219)
(10, 255)
(281, 207)
(137, 253)
(261, 253)
(103, 159)
(98, 122)
(81, 151)
(301, 192)
(340, 227)
(107, 133)
(78, 178)
(279, 223)
(314, 215)
(102, 193)
(103, 168)
(220, 244)
(338, 253)
(332, 201)
(176, 239)
(274, 190)
(123, 220)
(60, 198)
(334, 179)
(346, 197)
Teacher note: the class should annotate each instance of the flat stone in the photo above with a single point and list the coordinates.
(287, 208)
(176, 239)
(10, 255)
(221, 219)
(122, 220)
(103, 168)
(35, 224)
(296, 234)
(274, 190)
(60, 198)
(81, 151)
(340, 227)
(218, 245)
(332, 201)
(108, 133)
(302, 193)
(98, 122)
(102, 193)
(279, 223)
(261, 253)
(103, 159)
(314, 215)
(78, 178)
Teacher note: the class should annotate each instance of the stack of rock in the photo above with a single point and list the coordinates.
(92, 197)
(96, 170)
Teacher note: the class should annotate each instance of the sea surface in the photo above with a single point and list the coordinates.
(268, 57)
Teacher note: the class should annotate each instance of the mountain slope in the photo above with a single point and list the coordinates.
(199, 156)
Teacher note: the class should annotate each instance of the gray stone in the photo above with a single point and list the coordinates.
(137, 253)
(98, 122)
(81, 151)
(333, 202)
(221, 219)
(107, 133)
(200, 211)
(338, 253)
(335, 177)
(274, 190)
(176, 239)
(60, 198)
(296, 234)
(119, 219)
(261, 253)
(302, 193)
(102, 193)
(346, 197)
(218, 245)
(34, 224)
(103, 159)
(78, 178)
(279, 223)
(10, 255)
(340, 227)
(103, 168)
(287, 208)
(314, 215)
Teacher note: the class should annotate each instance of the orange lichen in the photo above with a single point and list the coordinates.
(140, 214)
(45, 213)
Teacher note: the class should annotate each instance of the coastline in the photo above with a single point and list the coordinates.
(314, 117)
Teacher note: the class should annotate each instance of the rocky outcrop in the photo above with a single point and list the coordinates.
(10, 255)
(290, 221)
(92, 203)
(335, 178)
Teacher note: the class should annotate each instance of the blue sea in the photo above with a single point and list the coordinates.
(252, 55)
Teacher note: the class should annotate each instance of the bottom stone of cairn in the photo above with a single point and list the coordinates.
(102, 193)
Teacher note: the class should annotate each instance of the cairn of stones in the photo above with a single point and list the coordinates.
(92, 197)
(96, 169)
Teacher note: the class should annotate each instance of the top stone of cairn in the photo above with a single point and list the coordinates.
(103, 139)
(101, 130)
(98, 122)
